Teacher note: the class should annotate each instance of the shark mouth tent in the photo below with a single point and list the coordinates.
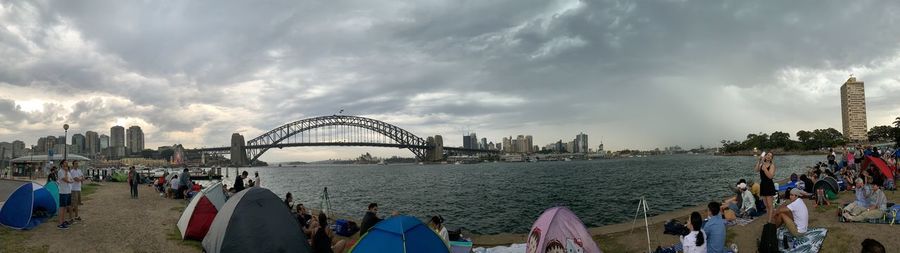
(255, 220)
(883, 167)
(400, 234)
(559, 230)
(199, 214)
(29, 205)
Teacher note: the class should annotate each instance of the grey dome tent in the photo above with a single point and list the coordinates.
(255, 220)
(827, 183)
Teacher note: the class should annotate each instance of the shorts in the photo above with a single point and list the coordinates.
(65, 200)
(76, 198)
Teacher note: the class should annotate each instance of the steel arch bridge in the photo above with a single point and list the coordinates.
(336, 130)
(341, 130)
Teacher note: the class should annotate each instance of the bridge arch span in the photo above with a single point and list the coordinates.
(259, 145)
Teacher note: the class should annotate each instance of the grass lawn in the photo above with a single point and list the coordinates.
(175, 234)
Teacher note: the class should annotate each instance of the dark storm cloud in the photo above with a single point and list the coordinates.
(667, 71)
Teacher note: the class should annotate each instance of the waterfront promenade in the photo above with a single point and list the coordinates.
(115, 223)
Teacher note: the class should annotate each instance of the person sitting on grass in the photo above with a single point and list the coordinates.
(863, 192)
(714, 229)
(695, 241)
(747, 206)
(322, 238)
(793, 216)
(877, 205)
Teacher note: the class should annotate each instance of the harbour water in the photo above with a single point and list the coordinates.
(491, 198)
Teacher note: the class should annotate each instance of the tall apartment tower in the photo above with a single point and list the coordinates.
(135, 139)
(853, 109)
(91, 144)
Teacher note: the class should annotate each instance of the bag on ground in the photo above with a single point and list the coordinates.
(768, 241)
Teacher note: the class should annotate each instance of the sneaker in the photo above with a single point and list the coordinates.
(77, 218)
(63, 226)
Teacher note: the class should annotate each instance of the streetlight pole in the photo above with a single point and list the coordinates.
(65, 140)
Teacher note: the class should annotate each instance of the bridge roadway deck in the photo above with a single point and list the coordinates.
(321, 144)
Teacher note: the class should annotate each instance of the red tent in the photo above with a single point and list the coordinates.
(886, 170)
(199, 214)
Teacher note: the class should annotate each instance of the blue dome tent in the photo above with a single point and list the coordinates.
(400, 234)
(27, 206)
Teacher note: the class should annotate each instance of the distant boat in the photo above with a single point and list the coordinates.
(567, 159)
(457, 162)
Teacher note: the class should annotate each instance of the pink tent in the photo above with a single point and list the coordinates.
(559, 230)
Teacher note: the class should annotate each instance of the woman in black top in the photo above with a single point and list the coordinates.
(766, 168)
(321, 242)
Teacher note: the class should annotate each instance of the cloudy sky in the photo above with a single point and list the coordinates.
(638, 74)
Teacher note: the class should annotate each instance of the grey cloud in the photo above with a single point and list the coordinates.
(655, 68)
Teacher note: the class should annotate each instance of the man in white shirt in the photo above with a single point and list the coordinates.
(794, 216)
(64, 181)
(256, 179)
(77, 177)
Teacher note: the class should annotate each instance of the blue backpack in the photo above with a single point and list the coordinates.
(895, 213)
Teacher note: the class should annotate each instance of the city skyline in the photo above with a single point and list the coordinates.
(640, 74)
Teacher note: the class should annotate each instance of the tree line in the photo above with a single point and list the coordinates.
(809, 140)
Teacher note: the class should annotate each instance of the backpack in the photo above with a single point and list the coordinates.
(760, 205)
(768, 241)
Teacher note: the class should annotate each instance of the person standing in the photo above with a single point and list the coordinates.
(831, 159)
(64, 180)
(766, 169)
(185, 183)
(133, 182)
(78, 178)
(239, 182)
(256, 181)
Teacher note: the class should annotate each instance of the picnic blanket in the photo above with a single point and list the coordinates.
(890, 217)
(515, 248)
(810, 242)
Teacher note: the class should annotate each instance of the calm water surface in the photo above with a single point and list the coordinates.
(492, 198)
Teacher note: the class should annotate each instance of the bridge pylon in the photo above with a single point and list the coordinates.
(238, 151)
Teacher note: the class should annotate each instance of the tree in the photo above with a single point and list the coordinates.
(780, 139)
(897, 132)
(881, 133)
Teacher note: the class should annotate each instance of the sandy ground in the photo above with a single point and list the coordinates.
(113, 222)
(842, 237)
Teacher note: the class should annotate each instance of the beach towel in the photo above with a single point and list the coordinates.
(515, 248)
(810, 242)
(740, 222)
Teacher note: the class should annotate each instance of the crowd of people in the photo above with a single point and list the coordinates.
(787, 208)
(322, 238)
